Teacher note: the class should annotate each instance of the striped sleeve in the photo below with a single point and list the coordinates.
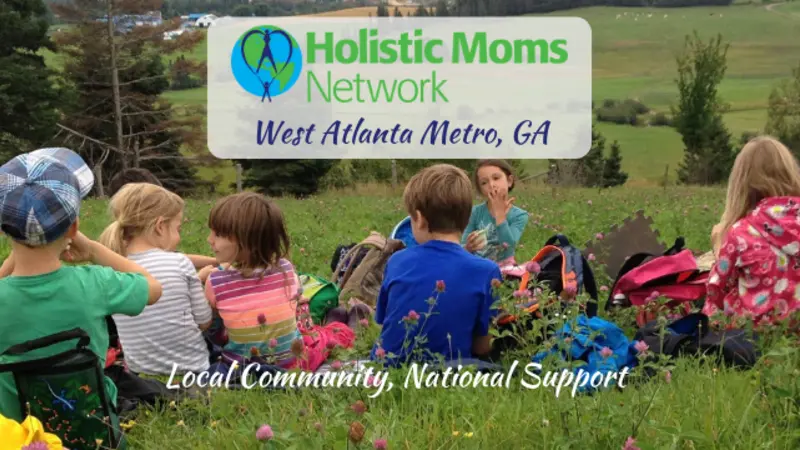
(201, 311)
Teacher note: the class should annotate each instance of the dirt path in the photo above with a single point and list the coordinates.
(771, 8)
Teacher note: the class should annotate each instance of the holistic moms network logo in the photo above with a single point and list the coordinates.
(266, 61)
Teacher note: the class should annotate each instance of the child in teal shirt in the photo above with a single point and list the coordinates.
(496, 225)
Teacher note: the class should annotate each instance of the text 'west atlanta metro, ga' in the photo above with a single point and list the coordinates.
(455, 87)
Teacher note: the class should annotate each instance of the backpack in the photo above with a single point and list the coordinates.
(691, 335)
(359, 273)
(66, 392)
(323, 295)
(562, 268)
(674, 275)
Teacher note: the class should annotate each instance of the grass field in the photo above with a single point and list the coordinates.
(701, 407)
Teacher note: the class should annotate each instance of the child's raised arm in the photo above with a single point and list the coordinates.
(201, 261)
(84, 249)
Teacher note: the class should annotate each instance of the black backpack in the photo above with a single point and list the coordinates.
(691, 335)
(561, 264)
(66, 392)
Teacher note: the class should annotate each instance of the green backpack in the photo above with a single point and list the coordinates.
(323, 296)
(66, 392)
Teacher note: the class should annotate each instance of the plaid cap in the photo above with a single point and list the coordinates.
(40, 194)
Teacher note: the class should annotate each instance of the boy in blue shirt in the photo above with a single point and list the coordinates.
(436, 298)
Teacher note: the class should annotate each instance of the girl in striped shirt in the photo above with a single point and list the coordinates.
(257, 292)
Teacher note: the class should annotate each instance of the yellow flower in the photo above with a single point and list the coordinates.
(16, 435)
(181, 423)
(455, 433)
(469, 435)
(127, 426)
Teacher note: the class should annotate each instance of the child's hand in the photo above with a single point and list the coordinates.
(79, 249)
(204, 273)
(475, 242)
(499, 205)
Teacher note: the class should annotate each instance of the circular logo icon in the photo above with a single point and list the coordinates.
(266, 61)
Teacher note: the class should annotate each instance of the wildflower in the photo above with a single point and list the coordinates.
(380, 353)
(505, 245)
(262, 319)
(533, 267)
(589, 203)
(181, 423)
(380, 444)
(264, 433)
(605, 352)
(364, 322)
(336, 365)
(599, 236)
(653, 295)
(545, 422)
(590, 257)
(603, 288)
(254, 351)
(371, 381)
(356, 432)
(523, 294)
(126, 426)
(359, 407)
(496, 283)
(412, 316)
(570, 290)
(302, 250)
(668, 377)
(440, 286)
(318, 426)
(468, 434)
(36, 446)
(455, 433)
(641, 347)
(213, 424)
(629, 444)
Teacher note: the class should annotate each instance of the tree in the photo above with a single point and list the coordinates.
(120, 119)
(783, 112)
(593, 170)
(28, 96)
(294, 177)
(612, 170)
(708, 154)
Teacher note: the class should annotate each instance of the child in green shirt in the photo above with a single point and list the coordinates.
(496, 225)
(40, 199)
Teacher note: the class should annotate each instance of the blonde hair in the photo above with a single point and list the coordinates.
(442, 193)
(136, 209)
(764, 168)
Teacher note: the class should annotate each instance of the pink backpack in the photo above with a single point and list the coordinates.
(645, 277)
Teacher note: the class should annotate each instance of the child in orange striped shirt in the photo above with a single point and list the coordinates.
(259, 293)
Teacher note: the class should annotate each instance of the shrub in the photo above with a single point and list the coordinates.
(661, 120)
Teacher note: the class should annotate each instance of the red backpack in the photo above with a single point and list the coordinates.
(674, 275)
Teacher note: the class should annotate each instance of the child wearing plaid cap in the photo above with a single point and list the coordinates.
(40, 199)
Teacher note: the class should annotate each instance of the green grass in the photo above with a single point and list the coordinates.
(636, 59)
(704, 407)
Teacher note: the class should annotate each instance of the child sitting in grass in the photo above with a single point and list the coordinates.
(257, 292)
(146, 229)
(40, 199)
(757, 242)
(495, 226)
(436, 298)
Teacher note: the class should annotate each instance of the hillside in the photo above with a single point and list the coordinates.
(634, 57)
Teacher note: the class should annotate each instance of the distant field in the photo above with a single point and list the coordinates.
(634, 57)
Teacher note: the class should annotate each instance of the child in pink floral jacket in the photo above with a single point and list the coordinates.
(757, 269)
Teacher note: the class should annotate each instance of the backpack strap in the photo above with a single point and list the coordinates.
(42, 342)
(347, 259)
(542, 254)
(590, 285)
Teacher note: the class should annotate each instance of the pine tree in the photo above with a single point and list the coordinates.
(708, 155)
(441, 8)
(612, 170)
(120, 119)
(28, 99)
(293, 177)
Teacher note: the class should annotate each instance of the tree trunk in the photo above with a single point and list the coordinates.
(115, 81)
(98, 180)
